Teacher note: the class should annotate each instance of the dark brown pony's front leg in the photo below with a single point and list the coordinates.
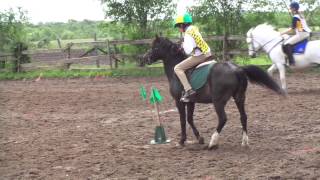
(190, 110)
(182, 112)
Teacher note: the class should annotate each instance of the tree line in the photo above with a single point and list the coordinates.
(136, 19)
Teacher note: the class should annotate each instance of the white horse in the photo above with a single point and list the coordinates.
(264, 36)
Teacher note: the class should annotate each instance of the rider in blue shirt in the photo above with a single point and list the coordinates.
(302, 31)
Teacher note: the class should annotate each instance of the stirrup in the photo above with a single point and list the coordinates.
(291, 64)
(287, 62)
(188, 95)
(184, 99)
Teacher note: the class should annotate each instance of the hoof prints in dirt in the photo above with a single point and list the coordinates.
(86, 129)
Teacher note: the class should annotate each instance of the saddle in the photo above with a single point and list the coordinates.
(300, 47)
(198, 75)
(296, 49)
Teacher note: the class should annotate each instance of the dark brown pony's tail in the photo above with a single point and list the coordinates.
(258, 76)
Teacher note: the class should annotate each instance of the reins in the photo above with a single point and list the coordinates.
(255, 51)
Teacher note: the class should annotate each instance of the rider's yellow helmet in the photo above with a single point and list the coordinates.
(183, 19)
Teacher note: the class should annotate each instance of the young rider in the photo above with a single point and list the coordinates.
(194, 45)
(302, 31)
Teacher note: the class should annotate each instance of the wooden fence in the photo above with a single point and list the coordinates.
(64, 57)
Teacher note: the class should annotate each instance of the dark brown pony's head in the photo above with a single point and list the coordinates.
(162, 49)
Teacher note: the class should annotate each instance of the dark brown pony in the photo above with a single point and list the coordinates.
(225, 80)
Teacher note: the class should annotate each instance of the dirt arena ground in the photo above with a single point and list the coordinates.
(101, 129)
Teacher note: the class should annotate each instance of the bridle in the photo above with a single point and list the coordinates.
(262, 46)
(252, 44)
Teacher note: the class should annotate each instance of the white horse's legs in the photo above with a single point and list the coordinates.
(214, 139)
(282, 73)
(245, 139)
(271, 69)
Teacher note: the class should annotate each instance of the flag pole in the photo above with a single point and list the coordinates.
(155, 99)
(156, 107)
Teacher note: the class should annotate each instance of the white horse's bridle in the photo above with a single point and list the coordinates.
(252, 44)
(262, 46)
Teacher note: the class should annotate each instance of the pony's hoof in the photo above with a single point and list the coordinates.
(201, 140)
(284, 93)
(181, 143)
(245, 146)
(214, 147)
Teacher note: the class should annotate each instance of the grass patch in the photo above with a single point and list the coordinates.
(132, 72)
(260, 61)
(128, 69)
(77, 71)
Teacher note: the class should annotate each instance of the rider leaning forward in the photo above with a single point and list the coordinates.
(194, 45)
(302, 31)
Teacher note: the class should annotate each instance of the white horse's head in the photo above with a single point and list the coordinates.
(258, 37)
(252, 45)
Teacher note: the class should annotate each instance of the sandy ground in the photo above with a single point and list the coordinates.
(101, 129)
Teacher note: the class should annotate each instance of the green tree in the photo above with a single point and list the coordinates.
(13, 35)
(138, 12)
(12, 28)
(219, 17)
(70, 30)
(224, 16)
(312, 11)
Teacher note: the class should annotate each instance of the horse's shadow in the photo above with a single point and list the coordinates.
(194, 148)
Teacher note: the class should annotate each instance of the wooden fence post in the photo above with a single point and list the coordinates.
(109, 53)
(59, 43)
(95, 36)
(69, 50)
(225, 47)
(3, 62)
(19, 54)
(115, 52)
(95, 50)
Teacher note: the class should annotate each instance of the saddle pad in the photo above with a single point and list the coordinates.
(300, 47)
(200, 75)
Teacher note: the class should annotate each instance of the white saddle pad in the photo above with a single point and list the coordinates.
(206, 63)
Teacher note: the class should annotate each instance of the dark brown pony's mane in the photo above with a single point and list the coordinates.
(171, 47)
(164, 41)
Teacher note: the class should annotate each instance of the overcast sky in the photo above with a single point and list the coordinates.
(183, 5)
(63, 10)
(57, 10)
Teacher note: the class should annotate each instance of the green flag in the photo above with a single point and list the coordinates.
(143, 93)
(155, 96)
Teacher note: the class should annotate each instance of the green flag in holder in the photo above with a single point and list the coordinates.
(155, 96)
(143, 92)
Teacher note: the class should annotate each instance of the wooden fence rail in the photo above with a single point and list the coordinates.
(109, 50)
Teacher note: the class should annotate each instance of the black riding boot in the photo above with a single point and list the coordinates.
(288, 49)
(188, 95)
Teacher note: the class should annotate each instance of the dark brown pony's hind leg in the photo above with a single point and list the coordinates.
(190, 110)
(219, 106)
(182, 112)
(240, 98)
(240, 102)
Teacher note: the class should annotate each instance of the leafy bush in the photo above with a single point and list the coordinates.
(13, 35)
